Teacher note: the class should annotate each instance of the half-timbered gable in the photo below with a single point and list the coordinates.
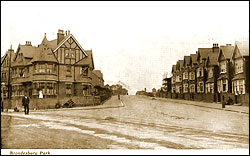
(69, 51)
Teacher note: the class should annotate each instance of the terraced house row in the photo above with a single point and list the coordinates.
(212, 75)
(59, 69)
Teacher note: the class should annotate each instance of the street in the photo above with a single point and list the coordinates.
(136, 122)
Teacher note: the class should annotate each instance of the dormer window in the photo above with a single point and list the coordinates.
(223, 67)
(238, 66)
(84, 71)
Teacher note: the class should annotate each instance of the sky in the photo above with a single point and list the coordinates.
(132, 42)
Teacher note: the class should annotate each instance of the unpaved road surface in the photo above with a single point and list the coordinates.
(135, 123)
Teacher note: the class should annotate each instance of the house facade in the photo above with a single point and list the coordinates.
(212, 71)
(240, 77)
(185, 84)
(225, 73)
(56, 69)
(192, 76)
(6, 73)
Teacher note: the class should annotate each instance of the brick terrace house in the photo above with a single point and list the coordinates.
(201, 74)
(187, 64)
(240, 77)
(6, 73)
(225, 72)
(173, 81)
(192, 76)
(178, 83)
(60, 68)
(212, 71)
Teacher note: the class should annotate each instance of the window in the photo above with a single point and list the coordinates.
(238, 66)
(42, 87)
(55, 67)
(42, 68)
(211, 88)
(241, 87)
(238, 87)
(219, 86)
(185, 88)
(35, 89)
(84, 71)
(191, 76)
(67, 53)
(192, 88)
(223, 68)
(85, 90)
(173, 79)
(173, 89)
(49, 68)
(50, 89)
(224, 85)
(210, 73)
(185, 75)
(201, 72)
(68, 89)
(35, 68)
(200, 88)
(197, 73)
(21, 72)
(68, 71)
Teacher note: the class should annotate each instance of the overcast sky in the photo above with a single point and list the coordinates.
(132, 42)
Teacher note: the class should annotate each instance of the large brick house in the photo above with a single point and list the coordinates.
(59, 68)
(179, 79)
(6, 61)
(192, 76)
(225, 72)
(212, 71)
(240, 76)
(173, 81)
(187, 65)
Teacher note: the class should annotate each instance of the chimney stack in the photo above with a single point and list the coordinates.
(215, 47)
(28, 43)
(60, 36)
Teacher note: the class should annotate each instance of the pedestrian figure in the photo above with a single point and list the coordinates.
(25, 102)
(1, 105)
(118, 96)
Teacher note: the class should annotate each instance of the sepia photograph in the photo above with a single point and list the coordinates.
(124, 77)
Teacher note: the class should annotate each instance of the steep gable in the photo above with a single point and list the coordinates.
(187, 60)
(70, 42)
(44, 52)
(87, 60)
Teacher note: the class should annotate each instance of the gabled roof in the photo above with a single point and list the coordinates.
(53, 44)
(27, 51)
(212, 59)
(243, 47)
(44, 52)
(193, 58)
(187, 60)
(9, 52)
(227, 51)
(203, 52)
(88, 60)
(173, 68)
(65, 39)
(181, 63)
(98, 73)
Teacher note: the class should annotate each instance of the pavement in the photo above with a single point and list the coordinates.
(232, 108)
(101, 106)
(218, 106)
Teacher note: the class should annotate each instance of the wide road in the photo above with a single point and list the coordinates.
(137, 122)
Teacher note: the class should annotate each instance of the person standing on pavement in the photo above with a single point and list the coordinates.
(25, 102)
